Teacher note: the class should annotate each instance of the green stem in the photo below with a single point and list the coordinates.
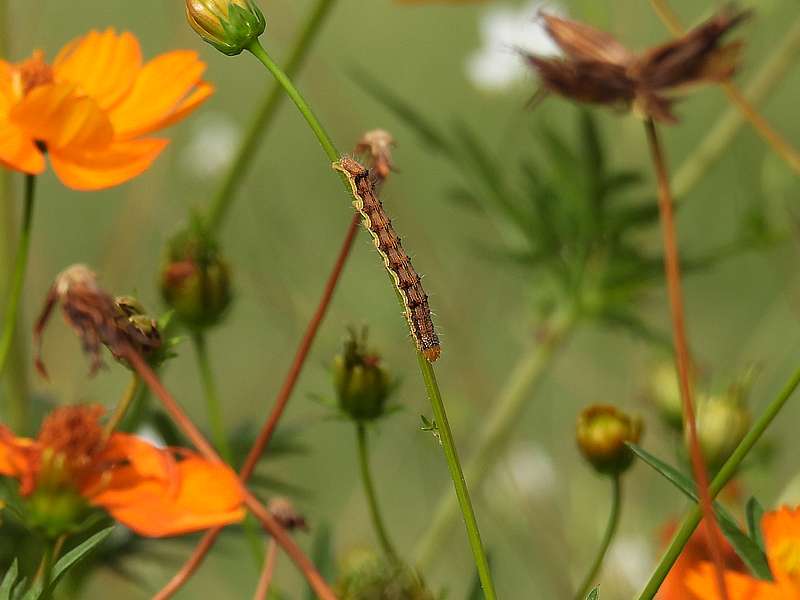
(496, 433)
(426, 368)
(282, 78)
(213, 405)
(457, 475)
(725, 474)
(124, 404)
(608, 536)
(263, 118)
(18, 414)
(719, 137)
(372, 498)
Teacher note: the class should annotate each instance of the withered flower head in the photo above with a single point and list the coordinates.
(377, 145)
(598, 69)
(96, 318)
(285, 513)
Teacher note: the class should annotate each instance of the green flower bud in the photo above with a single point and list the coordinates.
(56, 512)
(665, 393)
(722, 421)
(601, 434)
(367, 576)
(362, 385)
(195, 280)
(228, 25)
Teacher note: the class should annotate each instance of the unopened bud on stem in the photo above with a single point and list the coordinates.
(602, 432)
(228, 25)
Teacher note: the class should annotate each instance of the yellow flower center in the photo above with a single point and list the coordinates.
(30, 74)
(787, 557)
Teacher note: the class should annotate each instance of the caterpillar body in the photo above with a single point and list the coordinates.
(397, 262)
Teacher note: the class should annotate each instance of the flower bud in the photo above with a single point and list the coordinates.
(365, 575)
(228, 25)
(362, 385)
(195, 280)
(665, 393)
(601, 433)
(722, 421)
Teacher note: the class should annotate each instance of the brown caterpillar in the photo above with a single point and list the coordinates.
(387, 242)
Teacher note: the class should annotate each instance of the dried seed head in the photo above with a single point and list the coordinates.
(378, 145)
(96, 318)
(228, 25)
(284, 512)
(601, 433)
(598, 69)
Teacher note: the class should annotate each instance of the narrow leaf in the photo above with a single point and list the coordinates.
(755, 512)
(10, 578)
(747, 549)
(594, 594)
(78, 553)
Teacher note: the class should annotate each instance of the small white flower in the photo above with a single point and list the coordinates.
(527, 471)
(505, 30)
(630, 558)
(149, 434)
(212, 145)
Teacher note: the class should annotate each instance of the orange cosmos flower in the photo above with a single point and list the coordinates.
(90, 110)
(73, 465)
(694, 553)
(782, 539)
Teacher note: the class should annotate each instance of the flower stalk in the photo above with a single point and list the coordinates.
(225, 195)
(124, 404)
(723, 476)
(372, 497)
(265, 580)
(19, 412)
(673, 275)
(213, 405)
(608, 536)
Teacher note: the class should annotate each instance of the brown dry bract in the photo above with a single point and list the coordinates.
(378, 145)
(598, 69)
(285, 513)
(95, 317)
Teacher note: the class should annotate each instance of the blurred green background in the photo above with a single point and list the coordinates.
(281, 239)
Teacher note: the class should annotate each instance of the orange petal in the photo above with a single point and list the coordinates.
(7, 98)
(205, 495)
(703, 584)
(18, 151)
(56, 115)
(159, 93)
(18, 458)
(782, 538)
(96, 170)
(103, 65)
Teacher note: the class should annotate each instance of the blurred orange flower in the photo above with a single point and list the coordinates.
(90, 109)
(73, 464)
(694, 553)
(782, 539)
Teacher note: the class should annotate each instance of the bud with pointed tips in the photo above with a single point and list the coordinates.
(602, 432)
(362, 385)
(228, 25)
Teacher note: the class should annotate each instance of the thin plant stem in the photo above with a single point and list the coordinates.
(683, 359)
(45, 572)
(191, 431)
(266, 574)
(426, 368)
(723, 476)
(263, 118)
(445, 437)
(499, 425)
(608, 536)
(285, 393)
(372, 497)
(122, 407)
(285, 82)
(773, 138)
(213, 404)
(18, 414)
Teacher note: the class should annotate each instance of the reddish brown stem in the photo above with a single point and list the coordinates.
(673, 273)
(266, 574)
(283, 539)
(264, 436)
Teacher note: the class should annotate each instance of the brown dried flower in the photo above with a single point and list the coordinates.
(598, 69)
(285, 513)
(377, 145)
(96, 318)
